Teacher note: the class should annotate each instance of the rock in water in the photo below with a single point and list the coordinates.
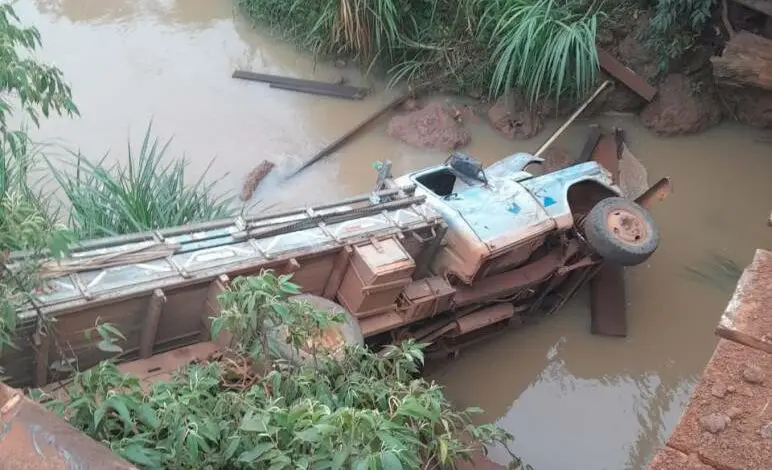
(683, 106)
(515, 118)
(431, 127)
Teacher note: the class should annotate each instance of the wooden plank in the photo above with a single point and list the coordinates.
(149, 331)
(146, 369)
(761, 6)
(747, 319)
(299, 82)
(321, 91)
(621, 72)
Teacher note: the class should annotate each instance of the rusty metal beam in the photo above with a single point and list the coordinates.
(608, 310)
(621, 72)
(658, 192)
(33, 438)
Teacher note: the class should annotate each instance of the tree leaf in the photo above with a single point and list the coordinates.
(252, 423)
(339, 459)
(148, 416)
(309, 435)
(390, 461)
(250, 456)
(138, 454)
(109, 347)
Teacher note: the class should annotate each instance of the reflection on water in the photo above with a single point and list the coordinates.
(574, 401)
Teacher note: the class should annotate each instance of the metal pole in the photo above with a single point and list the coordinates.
(571, 119)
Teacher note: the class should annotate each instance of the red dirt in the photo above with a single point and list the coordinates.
(728, 423)
(727, 414)
(670, 459)
(431, 127)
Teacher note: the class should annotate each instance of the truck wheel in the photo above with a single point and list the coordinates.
(621, 231)
(333, 340)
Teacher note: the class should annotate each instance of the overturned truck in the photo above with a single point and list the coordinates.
(440, 255)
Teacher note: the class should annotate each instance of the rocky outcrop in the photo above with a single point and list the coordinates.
(683, 105)
(515, 118)
(432, 127)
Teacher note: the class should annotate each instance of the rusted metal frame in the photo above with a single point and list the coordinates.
(589, 145)
(658, 192)
(170, 259)
(118, 240)
(581, 279)
(204, 275)
(32, 437)
(212, 306)
(150, 329)
(42, 341)
(423, 264)
(621, 72)
(338, 271)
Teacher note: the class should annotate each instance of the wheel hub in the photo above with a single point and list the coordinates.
(627, 227)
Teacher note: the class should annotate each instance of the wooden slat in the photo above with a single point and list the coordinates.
(619, 71)
(300, 84)
(43, 347)
(149, 331)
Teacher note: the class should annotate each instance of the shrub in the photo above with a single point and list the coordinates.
(675, 27)
(363, 411)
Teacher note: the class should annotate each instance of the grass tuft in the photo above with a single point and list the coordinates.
(146, 193)
(546, 48)
(543, 47)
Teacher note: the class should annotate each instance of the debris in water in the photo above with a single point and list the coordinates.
(254, 178)
(432, 127)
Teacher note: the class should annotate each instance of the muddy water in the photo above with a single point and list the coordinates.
(572, 400)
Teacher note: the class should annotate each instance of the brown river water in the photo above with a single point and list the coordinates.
(572, 400)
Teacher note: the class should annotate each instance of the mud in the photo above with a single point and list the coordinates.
(433, 127)
(571, 399)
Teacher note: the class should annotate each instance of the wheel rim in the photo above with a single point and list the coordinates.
(627, 227)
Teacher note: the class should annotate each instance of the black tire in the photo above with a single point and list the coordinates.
(350, 334)
(621, 231)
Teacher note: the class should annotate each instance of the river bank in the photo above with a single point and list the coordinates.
(173, 62)
(728, 422)
(480, 50)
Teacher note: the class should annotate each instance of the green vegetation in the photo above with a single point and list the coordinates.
(363, 411)
(675, 27)
(147, 193)
(543, 47)
(248, 408)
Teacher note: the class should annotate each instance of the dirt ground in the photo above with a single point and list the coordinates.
(728, 424)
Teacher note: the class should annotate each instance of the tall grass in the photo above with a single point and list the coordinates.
(546, 47)
(147, 193)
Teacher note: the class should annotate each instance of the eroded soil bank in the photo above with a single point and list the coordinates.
(571, 399)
